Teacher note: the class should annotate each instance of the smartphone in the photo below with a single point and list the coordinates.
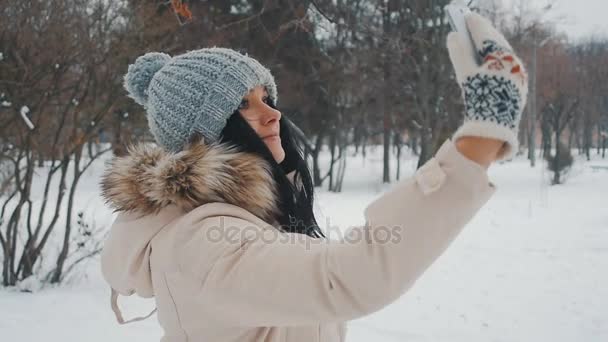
(456, 12)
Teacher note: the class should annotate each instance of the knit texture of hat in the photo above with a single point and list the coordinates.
(195, 92)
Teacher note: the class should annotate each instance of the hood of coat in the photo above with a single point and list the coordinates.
(151, 187)
(149, 179)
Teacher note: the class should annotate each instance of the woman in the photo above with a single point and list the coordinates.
(217, 224)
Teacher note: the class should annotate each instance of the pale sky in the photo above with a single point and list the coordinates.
(579, 18)
(576, 18)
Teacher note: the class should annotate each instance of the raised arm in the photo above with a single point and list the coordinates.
(266, 281)
(262, 278)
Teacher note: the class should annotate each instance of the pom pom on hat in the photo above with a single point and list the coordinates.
(140, 74)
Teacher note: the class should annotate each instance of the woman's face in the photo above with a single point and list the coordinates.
(264, 120)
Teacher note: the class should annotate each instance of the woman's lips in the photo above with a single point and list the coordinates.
(272, 138)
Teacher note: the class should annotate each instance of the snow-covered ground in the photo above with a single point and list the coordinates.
(531, 266)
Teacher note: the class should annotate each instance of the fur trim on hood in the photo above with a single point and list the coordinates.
(149, 178)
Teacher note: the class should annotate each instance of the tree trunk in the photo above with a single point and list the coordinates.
(332, 152)
(386, 106)
(599, 137)
(65, 249)
(386, 178)
(398, 173)
(341, 164)
(532, 109)
(316, 171)
(413, 143)
(426, 148)
(5, 276)
(546, 139)
(556, 160)
(588, 130)
(29, 260)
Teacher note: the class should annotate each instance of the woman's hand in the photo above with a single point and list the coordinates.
(494, 92)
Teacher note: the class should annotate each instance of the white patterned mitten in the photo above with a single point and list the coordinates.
(494, 92)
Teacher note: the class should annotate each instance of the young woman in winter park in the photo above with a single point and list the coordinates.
(217, 223)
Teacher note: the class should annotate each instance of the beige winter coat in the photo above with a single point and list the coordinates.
(192, 232)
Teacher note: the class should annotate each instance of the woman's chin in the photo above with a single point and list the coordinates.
(275, 147)
(279, 156)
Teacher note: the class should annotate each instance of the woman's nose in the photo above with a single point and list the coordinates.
(271, 115)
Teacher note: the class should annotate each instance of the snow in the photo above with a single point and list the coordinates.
(24, 111)
(531, 266)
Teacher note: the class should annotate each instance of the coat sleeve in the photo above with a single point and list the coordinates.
(262, 278)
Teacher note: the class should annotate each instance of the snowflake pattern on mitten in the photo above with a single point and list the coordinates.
(491, 97)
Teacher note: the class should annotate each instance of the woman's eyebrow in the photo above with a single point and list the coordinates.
(251, 93)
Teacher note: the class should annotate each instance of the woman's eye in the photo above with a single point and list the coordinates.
(245, 103)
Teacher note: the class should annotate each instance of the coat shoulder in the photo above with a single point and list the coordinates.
(199, 237)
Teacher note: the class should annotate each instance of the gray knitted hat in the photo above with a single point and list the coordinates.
(195, 92)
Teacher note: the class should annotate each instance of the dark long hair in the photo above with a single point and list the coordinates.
(295, 198)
